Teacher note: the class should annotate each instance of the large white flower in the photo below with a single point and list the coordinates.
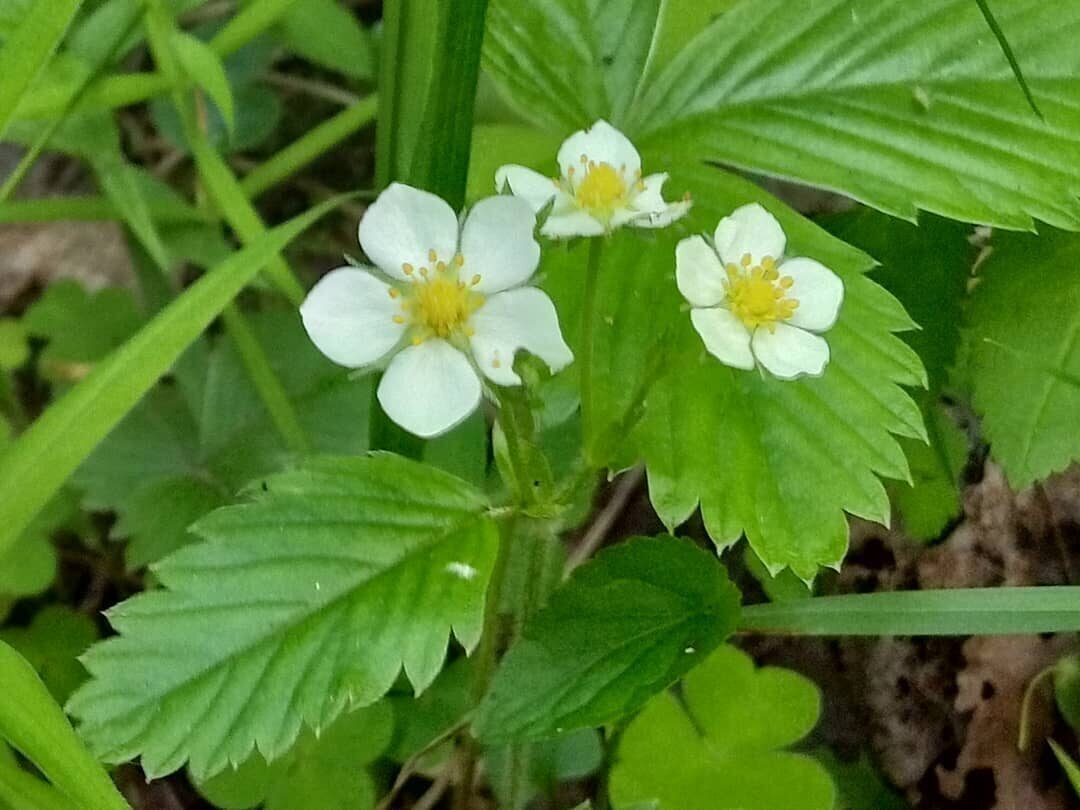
(750, 304)
(600, 187)
(449, 305)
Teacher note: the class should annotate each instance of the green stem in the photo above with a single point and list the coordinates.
(588, 338)
(1024, 739)
(266, 382)
(315, 143)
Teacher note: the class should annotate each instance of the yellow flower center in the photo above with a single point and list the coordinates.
(437, 303)
(602, 187)
(758, 294)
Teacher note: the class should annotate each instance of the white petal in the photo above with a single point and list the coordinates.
(533, 187)
(661, 219)
(349, 316)
(429, 389)
(601, 143)
(498, 245)
(790, 352)
(818, 290)
(512, 320)
(699, 273)
(575, 223)
(749, 229)
(724, 335)
(403, 224)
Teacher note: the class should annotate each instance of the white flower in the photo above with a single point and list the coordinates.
(448, 305)
(750, 304)
(600, 187)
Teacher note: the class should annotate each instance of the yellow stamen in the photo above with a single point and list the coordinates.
(602, 190)
(407, 269)
(756, 293)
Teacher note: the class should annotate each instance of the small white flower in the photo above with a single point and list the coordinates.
(750, 304)
(600, 187)
(441, 306)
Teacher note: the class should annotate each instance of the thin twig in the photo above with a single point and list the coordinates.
(434, 793)
(312, 87)
(598, 531)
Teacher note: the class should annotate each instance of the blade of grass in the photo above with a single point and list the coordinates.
(93, 209)
(1068, 764)
(18, 788)
(110, 92)
(968, 612)
(29, 49)
(35, 726)
(41, 459)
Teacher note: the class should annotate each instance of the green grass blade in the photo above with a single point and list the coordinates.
(35, 726)
(29, 49)
(36, 465)
(1068, 764)
(967, 612)
(93, 209)
(19, 788)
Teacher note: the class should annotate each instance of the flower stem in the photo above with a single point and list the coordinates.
(588, 338)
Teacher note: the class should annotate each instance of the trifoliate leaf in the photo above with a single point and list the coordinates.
(721, 746)
(626, 625)
(52, 644)
(14, 350)
(781, 461)
(306, 601)
(80, 326)
(325, 772)
(1024, 362)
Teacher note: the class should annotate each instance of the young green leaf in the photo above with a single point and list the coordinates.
(932, 499)
(304, 602)
(780, 461)
(1067, 689)
(27, 50)
(859, 785)
(52, 644)
(328, 34)
(37, 464)
(1024, 363)
(36, 727)
(203, 66)
(721, 747)
(29, 567)
(14, 350)
(625, 626)
(550, 763)
(325, 772)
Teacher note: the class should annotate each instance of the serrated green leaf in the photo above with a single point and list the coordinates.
(203, 66)
(625, 626)
(325, 772)
(156, 517)
(338, 574)
(327, 34)
(81, 327)
(1024, 361)
(52, 644)
(779, 461)
(903, 106)
(721, 747)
